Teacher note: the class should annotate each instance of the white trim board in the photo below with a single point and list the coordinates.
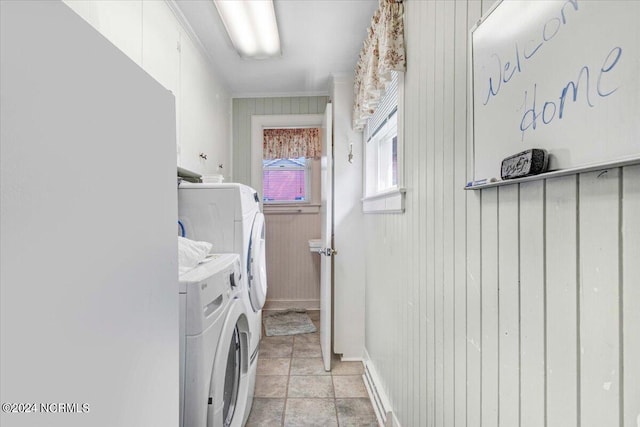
(186, 26)
(377, 395)
(241, 95)
(286, 304)
(388, 202)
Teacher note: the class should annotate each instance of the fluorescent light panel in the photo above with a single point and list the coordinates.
(252, 27)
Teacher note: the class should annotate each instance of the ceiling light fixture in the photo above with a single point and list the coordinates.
(252, 27)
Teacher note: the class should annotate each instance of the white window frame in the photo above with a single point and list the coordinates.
(258, 124)
(390, 200)
(307, 185)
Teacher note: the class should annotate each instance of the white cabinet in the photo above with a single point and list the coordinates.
(117, 20)
(161, 45)
(151, 35)
(205, 114)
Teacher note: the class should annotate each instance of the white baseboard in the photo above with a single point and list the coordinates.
(351, 359)
(285, 304)
(379, 399)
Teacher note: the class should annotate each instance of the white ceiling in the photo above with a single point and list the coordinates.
(318, 38)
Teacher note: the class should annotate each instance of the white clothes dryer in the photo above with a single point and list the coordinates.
(214, 345)
(228, 216)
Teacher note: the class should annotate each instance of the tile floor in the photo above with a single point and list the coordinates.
(293, 389)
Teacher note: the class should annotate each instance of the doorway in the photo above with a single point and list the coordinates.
(293, 271)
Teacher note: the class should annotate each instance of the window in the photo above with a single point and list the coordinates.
(285, 180)
(382, 158)
(383, 190)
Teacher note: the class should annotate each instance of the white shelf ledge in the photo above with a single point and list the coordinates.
(388, 202)
(558, 173)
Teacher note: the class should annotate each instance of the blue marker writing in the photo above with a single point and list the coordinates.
(481, 182)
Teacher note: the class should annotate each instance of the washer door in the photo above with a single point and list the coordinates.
(229, 380)
(257, 264)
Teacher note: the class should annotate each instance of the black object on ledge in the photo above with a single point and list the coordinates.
(530, 162)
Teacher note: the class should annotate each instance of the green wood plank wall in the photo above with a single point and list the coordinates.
(244, 108)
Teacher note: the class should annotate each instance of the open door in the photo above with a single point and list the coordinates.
(326, 219)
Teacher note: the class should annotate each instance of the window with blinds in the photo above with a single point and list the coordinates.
(382, 145)
(385, 110)
(285, 180)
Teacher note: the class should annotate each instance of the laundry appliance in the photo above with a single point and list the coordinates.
(229, 217)
(214, 344)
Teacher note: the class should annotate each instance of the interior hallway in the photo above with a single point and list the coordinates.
(293, 389)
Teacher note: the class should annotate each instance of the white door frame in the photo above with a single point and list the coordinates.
(259, 123)
(326, 234)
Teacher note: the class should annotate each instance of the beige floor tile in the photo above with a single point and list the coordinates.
(306, 349)
(310, 386)
(279, 339)
(266, 413)
(293, 389)
(310, 412)
(349, 386)
(347, 368)
(308, 366)
(355, 412)
(270, 349)
(312, 337)
(271, 386)
(275, 366)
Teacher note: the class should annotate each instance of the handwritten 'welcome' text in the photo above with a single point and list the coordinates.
(504, 71)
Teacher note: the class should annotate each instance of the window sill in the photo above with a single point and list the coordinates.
(391, 201)
(280, 208)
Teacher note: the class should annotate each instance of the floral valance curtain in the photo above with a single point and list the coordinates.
(383, 52)
(291, 143)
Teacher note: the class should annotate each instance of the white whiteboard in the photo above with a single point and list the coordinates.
(563, 75)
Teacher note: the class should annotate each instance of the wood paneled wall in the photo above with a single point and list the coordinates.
(510, 306)
(293, 272)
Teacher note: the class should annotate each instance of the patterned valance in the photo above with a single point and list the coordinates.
(383, 52)
(291, 143)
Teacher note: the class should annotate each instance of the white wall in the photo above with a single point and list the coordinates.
(88, 259)
(501, 307)
(348, 264)
(152, 35)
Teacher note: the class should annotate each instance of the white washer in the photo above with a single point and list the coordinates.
(214, 344)
(228, 216)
